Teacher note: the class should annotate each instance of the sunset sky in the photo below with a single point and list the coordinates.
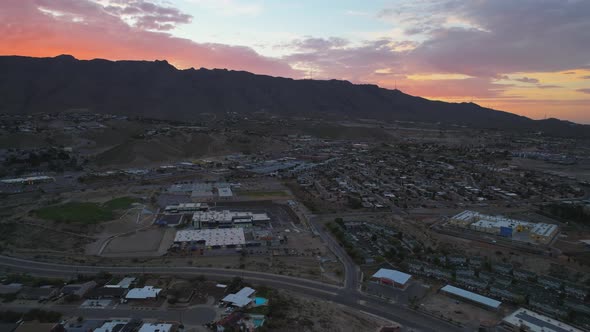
(530, 57)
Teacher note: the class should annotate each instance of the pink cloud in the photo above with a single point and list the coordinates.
(88, 30)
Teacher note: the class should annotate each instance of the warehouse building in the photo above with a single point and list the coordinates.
(391, 278)
(471, 297)
(212, 238)
(527, 320)
(227, 219)
(186, 208)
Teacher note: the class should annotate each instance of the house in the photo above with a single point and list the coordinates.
(462, 272)
(506, 293)
(144, 293)
(118, 325)
(392, 278)
(155, 327)
(456, 260)
(577, 291)
(550, 282)
(502, 268)
(549, 305)
(471, 282)
(241, 298)
(521, 274)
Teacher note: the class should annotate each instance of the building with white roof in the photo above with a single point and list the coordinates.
(144, 293)
(226, 218)
(471, 297)
(391, 278)
(241, 298)
(222, 237)
(155, 327)
(123, 283)
(527, 320)
(499, 225)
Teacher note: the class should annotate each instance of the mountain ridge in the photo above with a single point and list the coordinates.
(159, 90)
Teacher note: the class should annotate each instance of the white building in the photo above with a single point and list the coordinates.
(500, 225)
(534, 322)
(241, 298)
(226, 218)
(157, 327)
(212, 237)
(391, 278)
(145, 293)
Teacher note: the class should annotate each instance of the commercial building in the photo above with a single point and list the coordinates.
(474, 298)
(392, 278)
(506, 227)
(527, 320)
(227, 219)
(220, 237)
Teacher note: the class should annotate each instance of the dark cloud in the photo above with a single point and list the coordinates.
(527, 80)
(505, 36)
(147, 15)
(586, 91)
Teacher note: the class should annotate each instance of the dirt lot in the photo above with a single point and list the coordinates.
(144, 242)
(324, 316)
(459, 311)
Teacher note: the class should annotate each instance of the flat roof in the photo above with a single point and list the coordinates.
(471, 296)
(212, 237)
(159, 327)
(537, 323)
(146, 292)
(394, 275)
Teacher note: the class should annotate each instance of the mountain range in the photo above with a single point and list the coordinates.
(156, 89)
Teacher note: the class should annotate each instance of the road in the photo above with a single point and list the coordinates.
(346, 296)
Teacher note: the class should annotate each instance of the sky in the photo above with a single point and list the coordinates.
(530, 57)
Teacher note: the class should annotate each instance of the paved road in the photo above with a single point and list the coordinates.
(343, 296)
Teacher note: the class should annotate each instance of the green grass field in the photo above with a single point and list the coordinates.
(84, 212)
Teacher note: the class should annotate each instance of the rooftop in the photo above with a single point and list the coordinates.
(394, 275)
(146, 292)
(471, 296)
(212, 237)
(159, 327)
(537, 323)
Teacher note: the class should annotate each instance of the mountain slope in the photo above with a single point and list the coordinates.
(157, 89)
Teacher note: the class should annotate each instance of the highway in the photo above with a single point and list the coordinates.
(346, 296)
